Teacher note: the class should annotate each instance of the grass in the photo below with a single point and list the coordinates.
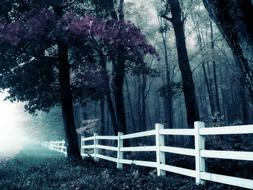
(36, 168)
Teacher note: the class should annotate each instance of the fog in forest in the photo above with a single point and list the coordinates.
(76, 69)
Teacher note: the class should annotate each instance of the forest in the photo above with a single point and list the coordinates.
(125, 65)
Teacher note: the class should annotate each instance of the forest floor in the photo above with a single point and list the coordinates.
(36, 168)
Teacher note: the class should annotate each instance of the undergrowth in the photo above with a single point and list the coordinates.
(36, 168)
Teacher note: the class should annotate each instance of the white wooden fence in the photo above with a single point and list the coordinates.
(58, 146)
(199, 133)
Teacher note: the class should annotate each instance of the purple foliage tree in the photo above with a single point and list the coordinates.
(37, 65)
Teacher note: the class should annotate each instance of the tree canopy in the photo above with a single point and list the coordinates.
(29, 59)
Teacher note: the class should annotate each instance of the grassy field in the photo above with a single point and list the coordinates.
(36, 168)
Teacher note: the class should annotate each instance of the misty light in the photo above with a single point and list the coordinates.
(11, 135)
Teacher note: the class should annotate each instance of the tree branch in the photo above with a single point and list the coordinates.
(167, 18)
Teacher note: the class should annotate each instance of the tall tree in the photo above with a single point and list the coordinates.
(214, 64)
(167, 88)
(177, 21)
(119, 70)
(234, 20)
(205, 63)
(67, 103)
(120, 63)
(118, 109)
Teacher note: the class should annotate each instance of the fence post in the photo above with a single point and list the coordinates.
(199, 145)
(160, 156)
(81, 147)
(119, 153)
(95, 148)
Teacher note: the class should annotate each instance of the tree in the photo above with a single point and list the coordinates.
(234, 20)
(120, 62)
(206, 65)
(177, 21)
(167, 88)
(37, 51)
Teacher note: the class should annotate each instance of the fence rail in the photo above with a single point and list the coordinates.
(199, 133)
(58, 146)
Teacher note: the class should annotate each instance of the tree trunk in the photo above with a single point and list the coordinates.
(73, 151)
(207, 78)
(157, 109)
(234, 20)
(130, 104)
(209, 91)
(112, 112)
(168, 89)
(244, 104)
(119, 74)
(95, 110)
(138, 104)
(119, 82)
(217, 100)
(84, 115)
(110, 105)
(183, 60)
(102, 118)
(109, 7)
(143, 102)
(118, 91)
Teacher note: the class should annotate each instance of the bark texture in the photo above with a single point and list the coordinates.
(234, 19)
(73, 151)
(184, 66)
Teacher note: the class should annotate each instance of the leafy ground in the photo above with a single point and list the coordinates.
(36, 168)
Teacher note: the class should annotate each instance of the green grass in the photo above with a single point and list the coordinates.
(36, 168)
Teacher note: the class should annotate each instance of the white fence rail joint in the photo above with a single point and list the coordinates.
(199, 133)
